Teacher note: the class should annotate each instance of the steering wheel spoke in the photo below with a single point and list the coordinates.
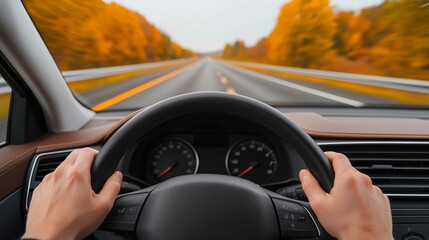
(125, 212)
(295, 218)
(206, 206)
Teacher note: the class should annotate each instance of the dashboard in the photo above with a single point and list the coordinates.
(238, 147)
(225, 145)
(230, 145)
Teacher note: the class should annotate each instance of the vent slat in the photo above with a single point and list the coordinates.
(423, 169)
(43, 171)
(398, 177)
(43, 165)
(388, 152)
(395, 168)
(48, 164)
(389, 159)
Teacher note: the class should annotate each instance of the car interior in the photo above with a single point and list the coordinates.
(185, 159)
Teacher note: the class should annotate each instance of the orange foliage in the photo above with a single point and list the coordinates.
(390, 39)
(90, 34)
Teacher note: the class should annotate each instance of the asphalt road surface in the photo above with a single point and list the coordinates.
(208, 74)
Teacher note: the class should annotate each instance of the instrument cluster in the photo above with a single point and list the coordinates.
(246, 156)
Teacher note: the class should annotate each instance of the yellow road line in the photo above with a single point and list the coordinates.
(121, 97)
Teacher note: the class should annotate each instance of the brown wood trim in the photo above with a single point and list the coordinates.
(361, 127)
(120, 123)
(15, 159)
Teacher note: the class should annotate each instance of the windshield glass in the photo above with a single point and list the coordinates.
(127, 54)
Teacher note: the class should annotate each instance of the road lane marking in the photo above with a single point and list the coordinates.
(121, 97)
(218, 73)
(312, 91)
(223, 80)
(231, 90)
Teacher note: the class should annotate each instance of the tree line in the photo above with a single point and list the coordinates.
(91, 34)
(389, 39)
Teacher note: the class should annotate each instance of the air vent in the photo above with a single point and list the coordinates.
(41, 166)
(397, 168)
(47, 164)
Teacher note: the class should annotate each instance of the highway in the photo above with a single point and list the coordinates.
(209, 74)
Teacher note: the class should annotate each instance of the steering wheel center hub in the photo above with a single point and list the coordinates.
(208, 206)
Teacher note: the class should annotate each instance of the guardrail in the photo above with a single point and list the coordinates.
(2, 82)
(4, 88)
(412, 85)
(85, 74)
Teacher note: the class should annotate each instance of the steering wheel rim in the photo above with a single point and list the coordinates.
(214, 102)
(182, 207)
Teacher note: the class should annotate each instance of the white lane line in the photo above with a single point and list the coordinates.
(218, 73)
(285, 83)
(231, 90)
(223, 80)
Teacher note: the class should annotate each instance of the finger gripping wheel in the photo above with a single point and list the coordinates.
(210, 206)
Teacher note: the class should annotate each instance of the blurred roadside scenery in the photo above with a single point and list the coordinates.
(391, 39)
(127, 54)
(93, 34)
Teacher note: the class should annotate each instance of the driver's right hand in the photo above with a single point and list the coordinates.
(354, 209)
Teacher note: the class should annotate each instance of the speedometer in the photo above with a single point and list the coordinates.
(171, 158)
(253, 160)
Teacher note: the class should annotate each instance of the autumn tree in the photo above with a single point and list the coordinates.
(404, 45)
(259, 51)
(117, 39)
(227, 51)
(392, 36)
(236, 51)
(278, 41)
(303, 36)
(88, 34)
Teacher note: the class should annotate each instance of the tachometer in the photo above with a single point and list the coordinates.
(253, 160)
(171, 158)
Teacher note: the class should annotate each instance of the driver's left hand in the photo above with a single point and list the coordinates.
(64, 206)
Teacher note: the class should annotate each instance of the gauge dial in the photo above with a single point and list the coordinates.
(171, 158)
(253, 160)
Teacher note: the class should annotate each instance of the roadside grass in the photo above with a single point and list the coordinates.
(89, 84)
(400, 96)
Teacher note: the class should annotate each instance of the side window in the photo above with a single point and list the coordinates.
(5, 95)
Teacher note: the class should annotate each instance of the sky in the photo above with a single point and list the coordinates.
(207, 25)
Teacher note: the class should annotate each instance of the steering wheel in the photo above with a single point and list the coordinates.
(208, 206)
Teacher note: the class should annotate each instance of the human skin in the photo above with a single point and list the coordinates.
(64, 206)
(354, 209)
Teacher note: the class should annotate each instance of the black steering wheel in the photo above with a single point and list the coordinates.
(206, 206)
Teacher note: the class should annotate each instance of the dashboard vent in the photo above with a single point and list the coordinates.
(41, 166)
(47, 164)
(397, 168)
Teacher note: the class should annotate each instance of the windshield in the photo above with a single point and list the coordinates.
(127, 54)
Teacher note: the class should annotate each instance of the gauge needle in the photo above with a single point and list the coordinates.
(168, 169)
(248, 169)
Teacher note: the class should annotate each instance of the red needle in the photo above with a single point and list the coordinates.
(164, 172)
(245, 171)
